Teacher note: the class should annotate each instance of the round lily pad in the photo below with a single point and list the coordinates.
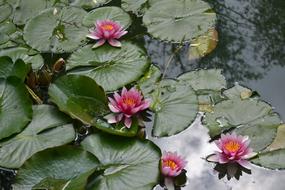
(80, 97)
(88, 4)
(49, 128)
(15, 106)
(178, 20)
(56, 30)
(175, 107)
(27, 9)
(135, 6)
(110, 67)
(111, 13)
(128, 163)
(35, 59)
(59, 165)
(5, 11)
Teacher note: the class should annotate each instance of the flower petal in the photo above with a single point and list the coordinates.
(114, 43)
(99, 43)
(128, 122)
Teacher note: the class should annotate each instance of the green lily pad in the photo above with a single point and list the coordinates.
(261, 132)
(208, 84)
(35, 59)
(135, 6)
(80, 97)
(111, 13)
(128, 163)
(27, 9)
(6, 11)
(178, 20)
(77, 183)
(15, 106)
(48, 129)
(56, 30)
(88, 4)
(9, 68)
(272, 159)
(110, 67)
(148, 82)
(175, 107)
(7, 28)
(238, 111)
(118, 128)
(61, 163)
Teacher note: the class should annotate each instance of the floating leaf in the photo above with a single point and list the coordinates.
(175, 107)
(188, 18)
(261, 132)
(6, 11)
(22, 53)
(236, 112)
(203, 45)
(62, 163)
(200, 80)
(56, 30)
(128, 163)
(208, 84)
(110, 67)
(9, 68)
(148, 82)
(15, 106)
(238, 92)
(118, 128)
(111, 13)
(88, 4)
(279, 141)
(135, 6)
(7, 28)
(47, 129)
(27, 9)
(272, 159)
(80, 97)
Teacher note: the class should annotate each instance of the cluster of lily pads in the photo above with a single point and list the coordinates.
(69, 67)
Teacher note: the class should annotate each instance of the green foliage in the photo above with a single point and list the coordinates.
(56, 30)
(128, 164)
(49, 128)
(110, 67)
(188, 18)
(80, 97)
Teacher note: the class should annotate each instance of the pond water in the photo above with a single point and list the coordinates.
(251, 51)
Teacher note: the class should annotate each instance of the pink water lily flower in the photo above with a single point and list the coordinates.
(172, 164)
(107, 30)
(126, 105)
(233, 149)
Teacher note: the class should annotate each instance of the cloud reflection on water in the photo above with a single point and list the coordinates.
(193, 144)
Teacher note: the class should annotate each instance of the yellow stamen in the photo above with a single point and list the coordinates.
(129, 101)
(232, 146)
(108, 27)
(170, 164)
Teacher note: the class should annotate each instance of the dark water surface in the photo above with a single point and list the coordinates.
(251, 51)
